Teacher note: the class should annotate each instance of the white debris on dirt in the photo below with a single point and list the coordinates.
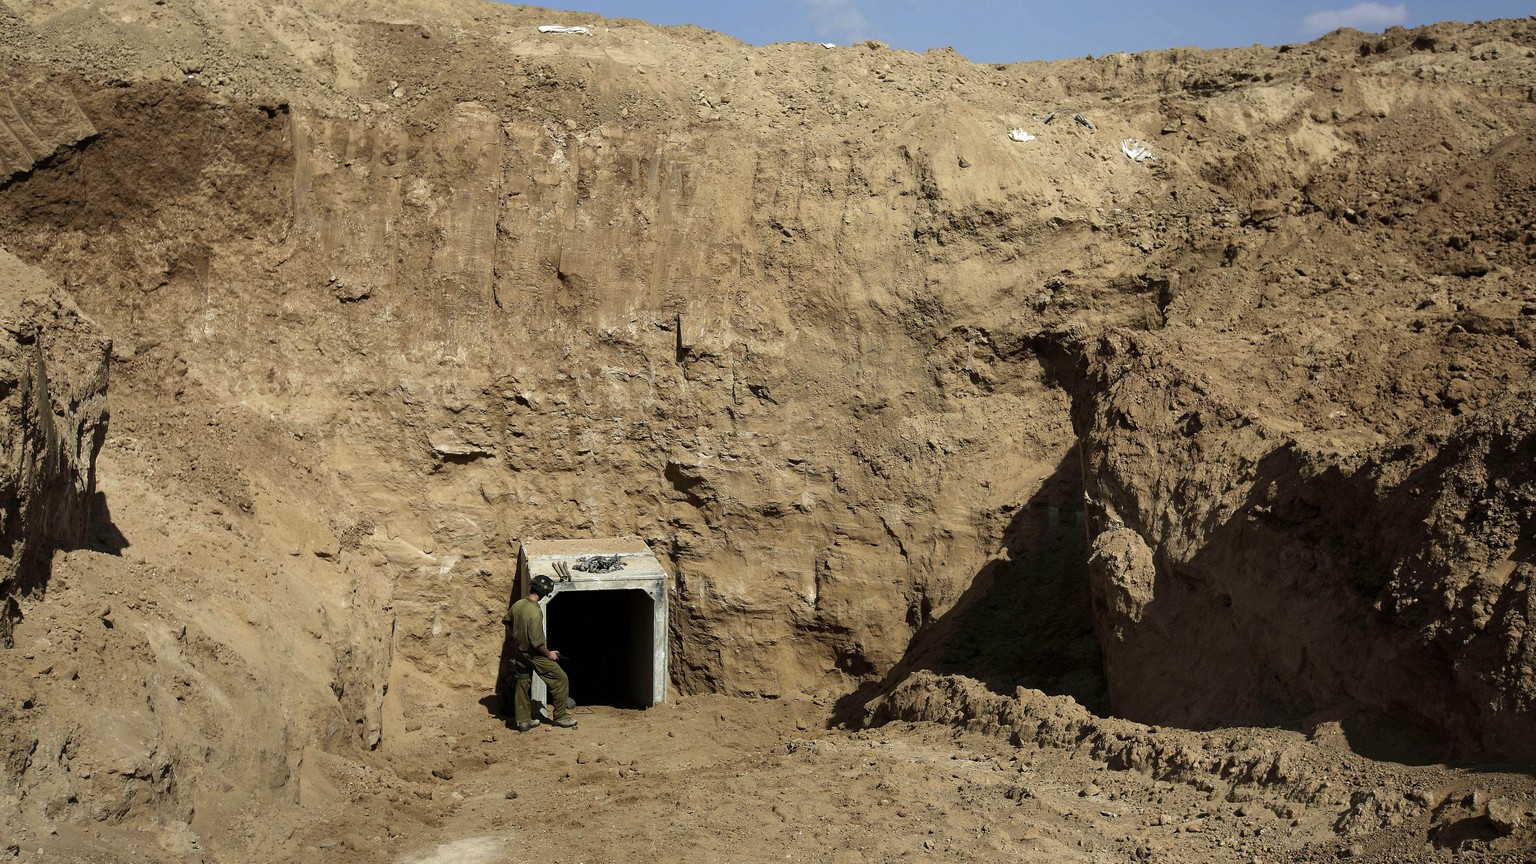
(1137, 151)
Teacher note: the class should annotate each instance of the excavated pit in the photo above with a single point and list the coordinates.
(1015, 501)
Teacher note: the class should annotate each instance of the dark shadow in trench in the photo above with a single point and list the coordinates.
(62, 525)
(105, 536)
(1026, 619)
(1319, 551)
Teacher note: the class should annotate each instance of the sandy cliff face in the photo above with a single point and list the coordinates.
(569, 307)
(392, 286)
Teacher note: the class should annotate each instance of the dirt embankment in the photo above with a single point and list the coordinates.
(393, 285)
(1295, 577)
(54, 381)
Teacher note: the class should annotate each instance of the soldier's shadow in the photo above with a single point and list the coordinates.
(493, 706)
(499, 703)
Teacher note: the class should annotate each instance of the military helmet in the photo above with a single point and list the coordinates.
(542, 585)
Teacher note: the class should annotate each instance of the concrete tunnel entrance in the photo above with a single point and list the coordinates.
(607, 617)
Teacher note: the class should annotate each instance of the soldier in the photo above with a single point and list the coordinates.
(532, 655)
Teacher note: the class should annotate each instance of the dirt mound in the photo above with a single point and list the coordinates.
(1237, 785)
(1237, 433)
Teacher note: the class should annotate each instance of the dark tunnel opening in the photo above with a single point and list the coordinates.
(606, 641)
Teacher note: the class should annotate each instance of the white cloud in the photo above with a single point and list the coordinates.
(1361, 16)
(840, 20)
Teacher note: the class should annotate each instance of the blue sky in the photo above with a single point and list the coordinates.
(1005, 31)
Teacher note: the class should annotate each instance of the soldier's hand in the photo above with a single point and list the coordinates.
(554, 655)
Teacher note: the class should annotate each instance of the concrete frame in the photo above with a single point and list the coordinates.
(642, 571)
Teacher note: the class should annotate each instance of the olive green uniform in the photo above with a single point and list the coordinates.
(527, 622)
